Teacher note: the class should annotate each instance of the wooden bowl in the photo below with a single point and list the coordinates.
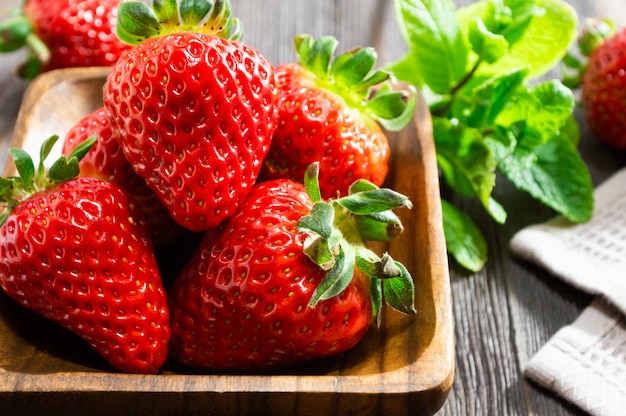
(405, 367)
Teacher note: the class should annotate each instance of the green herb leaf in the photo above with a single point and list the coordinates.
(553, 172)
(438, 53)
(570, 130)
(467, 163)
(464, 240)
(491, 97)
(487, 45)
(532, 23)
(472, 66)
(544, 108)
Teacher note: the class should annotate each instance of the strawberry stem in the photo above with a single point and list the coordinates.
(16, 33)
(138, 21)
(29, 180)
(351, 75)
(336, 231)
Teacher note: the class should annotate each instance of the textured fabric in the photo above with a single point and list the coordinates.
(590, 256)
(585, 362)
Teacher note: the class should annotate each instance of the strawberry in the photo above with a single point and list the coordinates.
(106, 161)
(64, 34)
(193, 108)
(77, 251)
(326, 113)
(598, 67)
(287, 278)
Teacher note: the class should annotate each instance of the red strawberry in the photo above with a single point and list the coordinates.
(67, 33)
(603, 88)
(194, 112)
(287, 279)
(325, 114)
(106, 161)
(77, 251)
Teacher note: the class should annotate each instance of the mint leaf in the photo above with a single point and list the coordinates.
(545, 108)
(571, 130)
(554, 173)
(487, 45)
(437, 51)
(502, 141)
(463, 238)
(539, 33)
(473, 70)
(544, 161)
(467, 163)
(492, 96)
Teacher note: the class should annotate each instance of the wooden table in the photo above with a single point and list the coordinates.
(503, 314)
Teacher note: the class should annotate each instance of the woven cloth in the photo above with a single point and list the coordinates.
(585, 362)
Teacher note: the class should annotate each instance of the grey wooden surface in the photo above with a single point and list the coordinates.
(504, 313)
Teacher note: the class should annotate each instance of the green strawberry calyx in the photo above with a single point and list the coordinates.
(336, 234)
(138, 20)
(29, 180)
(351, 75)
(16, 32)
(574, 63)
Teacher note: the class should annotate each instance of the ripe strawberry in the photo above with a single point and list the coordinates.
(106, 161)
(77, 251)
(603, 88)
(194, 112)
(287, 278)
(326, 113)
(64, 34)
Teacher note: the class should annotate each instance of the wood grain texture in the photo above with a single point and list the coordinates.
(502, 315)
(405, 367)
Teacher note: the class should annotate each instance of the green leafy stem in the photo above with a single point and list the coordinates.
(474, 66)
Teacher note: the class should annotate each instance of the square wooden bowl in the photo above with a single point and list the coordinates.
(405, 367)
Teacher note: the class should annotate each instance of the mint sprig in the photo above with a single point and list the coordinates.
(474, 66)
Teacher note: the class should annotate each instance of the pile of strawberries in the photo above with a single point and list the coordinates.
(214, 213)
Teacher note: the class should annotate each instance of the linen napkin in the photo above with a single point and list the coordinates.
(585, 362)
